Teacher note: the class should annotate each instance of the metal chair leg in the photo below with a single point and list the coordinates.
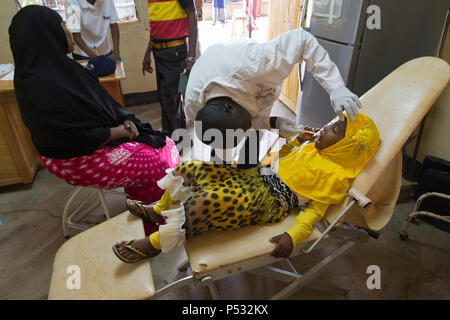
(213, 290)
(404, 235)
(183, 266)
(415, 212)
(289, 276)
(313, 272)
(176, 284)
(66, 212)
(208, 280)
(101, 196)
(68, 215)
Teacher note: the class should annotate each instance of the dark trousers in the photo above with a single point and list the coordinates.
(169, 64)
(248, 154)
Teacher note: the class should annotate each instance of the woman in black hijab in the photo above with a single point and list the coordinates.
(81, 133)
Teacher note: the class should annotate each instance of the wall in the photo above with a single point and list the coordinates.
(8, 9)
(436, 134)
(134, 38)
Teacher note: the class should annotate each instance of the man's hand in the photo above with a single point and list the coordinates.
(189, 66)
(287, 128)
(115, 56)
(82, 45)
(147, 63)
(343, 99)
(192, 45)
(131, 127)
(284, 245)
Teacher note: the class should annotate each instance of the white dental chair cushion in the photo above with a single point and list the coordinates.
(103, 275)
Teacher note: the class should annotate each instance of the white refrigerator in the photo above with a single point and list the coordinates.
(408, 29)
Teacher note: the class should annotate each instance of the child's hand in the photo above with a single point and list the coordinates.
(284, 245)
(307, 136)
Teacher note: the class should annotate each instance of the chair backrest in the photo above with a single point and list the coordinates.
(397, 104)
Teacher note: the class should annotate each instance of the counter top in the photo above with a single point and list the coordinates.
(7, 86)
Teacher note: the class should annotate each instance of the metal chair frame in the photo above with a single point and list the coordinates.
(345, 237)
(416, 213)
(68, 215)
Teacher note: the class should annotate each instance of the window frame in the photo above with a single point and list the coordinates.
(61, 8)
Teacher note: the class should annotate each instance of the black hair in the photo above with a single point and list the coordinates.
(223, 113)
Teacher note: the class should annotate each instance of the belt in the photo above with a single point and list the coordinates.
(168, 44)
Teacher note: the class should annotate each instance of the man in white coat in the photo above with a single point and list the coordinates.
(234, 84)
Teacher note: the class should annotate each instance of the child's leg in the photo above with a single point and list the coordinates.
(154, 240)
(186, 170)
(163, 204)
(153, 212)
(147, 245)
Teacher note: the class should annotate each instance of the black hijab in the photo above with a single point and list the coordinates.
(67, 111)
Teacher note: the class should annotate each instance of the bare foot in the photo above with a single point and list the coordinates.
(151, 214)
(142, 244)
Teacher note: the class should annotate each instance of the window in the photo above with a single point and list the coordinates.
(126, 9)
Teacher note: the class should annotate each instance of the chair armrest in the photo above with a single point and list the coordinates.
(429, 195)
(361, 199)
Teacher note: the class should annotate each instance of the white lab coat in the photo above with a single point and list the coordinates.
(251, 73)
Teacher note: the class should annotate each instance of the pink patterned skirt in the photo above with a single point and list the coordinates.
(134, 166)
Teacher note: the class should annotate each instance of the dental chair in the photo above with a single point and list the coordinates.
(397, 105)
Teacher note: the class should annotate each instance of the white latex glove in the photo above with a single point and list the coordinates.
(288, 128)
(343, 99)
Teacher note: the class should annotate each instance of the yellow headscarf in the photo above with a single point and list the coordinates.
(325, 175)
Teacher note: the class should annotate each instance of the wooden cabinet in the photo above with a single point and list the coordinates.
(285, 15)
(112, 84)
(18, 156)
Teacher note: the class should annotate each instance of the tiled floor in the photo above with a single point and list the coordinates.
(31, 233)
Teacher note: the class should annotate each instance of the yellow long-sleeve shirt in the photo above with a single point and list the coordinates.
(314, 211)
(305, 221)
(287, 148)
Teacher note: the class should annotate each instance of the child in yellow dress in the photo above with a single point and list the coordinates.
(314, 171)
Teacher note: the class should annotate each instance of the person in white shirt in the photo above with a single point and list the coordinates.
(238, 81)
(89, 21)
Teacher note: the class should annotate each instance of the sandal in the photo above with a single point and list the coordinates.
(142, 214)
(129, 246)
